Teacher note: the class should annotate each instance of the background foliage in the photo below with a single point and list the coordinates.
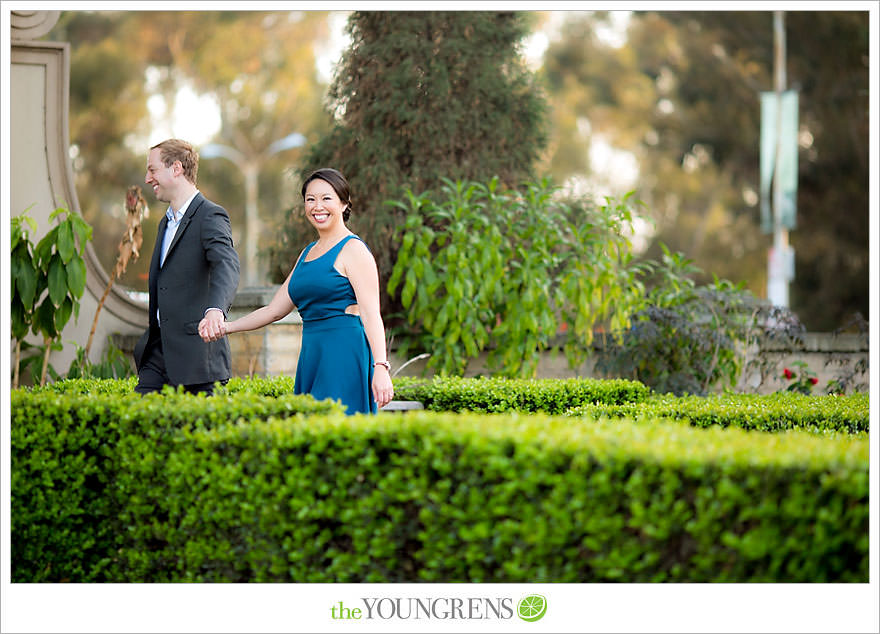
(687, 338)
(683, 96)
(417, 97)
(422, 95)
(484, 268)
(257, 67)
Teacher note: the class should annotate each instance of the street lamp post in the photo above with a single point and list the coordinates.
(250, 169)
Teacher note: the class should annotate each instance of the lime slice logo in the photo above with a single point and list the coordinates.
(532, 608)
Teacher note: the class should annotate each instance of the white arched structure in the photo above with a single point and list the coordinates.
(41, 177)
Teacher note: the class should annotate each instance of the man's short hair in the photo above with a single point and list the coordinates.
(172, 150)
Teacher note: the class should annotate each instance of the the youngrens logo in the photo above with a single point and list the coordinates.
(530, 608)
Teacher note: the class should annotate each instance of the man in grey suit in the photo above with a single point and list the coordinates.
(193, 275)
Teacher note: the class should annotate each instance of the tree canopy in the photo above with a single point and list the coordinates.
(257, 67)
(683, 96)
(419, 96)
(425, 95)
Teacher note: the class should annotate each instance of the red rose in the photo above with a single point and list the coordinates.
(814, 380)
(787, 373)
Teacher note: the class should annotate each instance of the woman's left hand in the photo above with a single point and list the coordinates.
(383, 390)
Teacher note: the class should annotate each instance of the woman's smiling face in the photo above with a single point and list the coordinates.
(323, 207)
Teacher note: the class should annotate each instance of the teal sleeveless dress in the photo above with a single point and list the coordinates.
(335, 360)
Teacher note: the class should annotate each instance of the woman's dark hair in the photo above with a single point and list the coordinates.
(337, 182)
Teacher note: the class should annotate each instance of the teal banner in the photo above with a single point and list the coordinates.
(779, 123)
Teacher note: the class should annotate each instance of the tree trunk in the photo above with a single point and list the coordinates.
(48, 343)
(15, 373)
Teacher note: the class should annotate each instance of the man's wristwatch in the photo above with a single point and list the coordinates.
(385, 363)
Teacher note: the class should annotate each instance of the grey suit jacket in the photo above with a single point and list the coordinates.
(201, 271)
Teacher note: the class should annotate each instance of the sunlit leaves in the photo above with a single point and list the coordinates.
(500, 271)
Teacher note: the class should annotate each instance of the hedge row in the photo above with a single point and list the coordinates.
(65, 464)
(772, 412)
(453, 394)
(574, 397)
(122, 489)
(552, 396)
(263, 386)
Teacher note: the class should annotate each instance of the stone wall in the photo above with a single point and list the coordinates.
(269, 351)
(828, 356)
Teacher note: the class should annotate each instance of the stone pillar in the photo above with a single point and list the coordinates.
(270, 351)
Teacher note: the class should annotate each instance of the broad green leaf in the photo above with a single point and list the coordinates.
(44, 319)
(396, 274)
(57, 280)
(83, 231)
(25, 279)
(58, 211)
(43, 250)
(62, 315)
(407, 242)
(470, 345)
(409, 289)
(455, 290)
(15, 236)
(442, 319)
(76, 276)
(20, 319)
(13, 273)
(66, 244)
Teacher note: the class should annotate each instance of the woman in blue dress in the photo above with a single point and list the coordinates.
(335, 287)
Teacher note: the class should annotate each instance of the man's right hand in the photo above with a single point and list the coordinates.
(213, 326)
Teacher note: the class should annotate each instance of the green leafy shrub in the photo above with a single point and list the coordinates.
(65, 464)
(553, 396)
(53, 271)
(114, 364)
(447, 95)
(689, 339)
(773, 412)
(485, 268)
(262, 386)
(244, 487)
(504, 498)
(87, 385)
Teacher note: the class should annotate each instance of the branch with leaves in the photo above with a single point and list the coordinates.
(51, 277)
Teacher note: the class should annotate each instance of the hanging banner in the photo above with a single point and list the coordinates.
(779, 123)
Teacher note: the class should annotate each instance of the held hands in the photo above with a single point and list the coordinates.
(213, 326)
(383, 390)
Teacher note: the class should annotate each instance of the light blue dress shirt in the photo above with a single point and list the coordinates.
(174, 219)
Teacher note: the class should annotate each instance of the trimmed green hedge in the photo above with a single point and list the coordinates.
(474, 498)
(772, 412)
(553, 396)
(184, 488)
(452, 394)
(262, 386)
(86, 386)
(65, 463)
